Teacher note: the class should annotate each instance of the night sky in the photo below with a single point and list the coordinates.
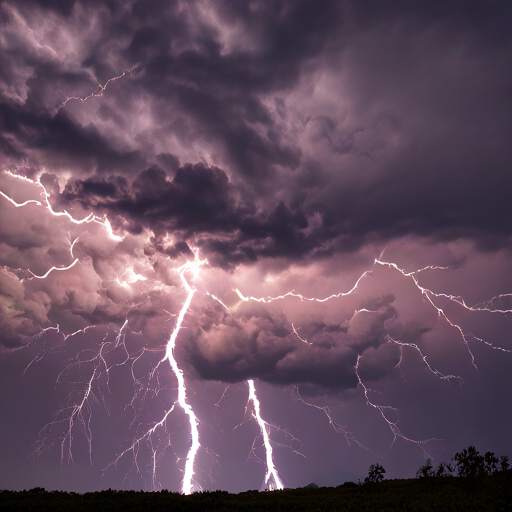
(354, 151)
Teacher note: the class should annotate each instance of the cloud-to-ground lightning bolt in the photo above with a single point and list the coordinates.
(187, 485)
(272, 480)
(147, 435)
(430, 295)
(79, 411)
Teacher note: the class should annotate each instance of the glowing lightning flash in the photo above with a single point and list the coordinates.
(90, 218)
(97, 92)
(79, 412)
(429, 295)
(182, 390)
(271, 477)
(76, 413)
(272, 480)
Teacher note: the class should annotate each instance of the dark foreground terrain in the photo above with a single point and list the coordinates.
(489, 493)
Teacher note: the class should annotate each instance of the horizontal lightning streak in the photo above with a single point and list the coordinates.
(44, 276)
(90, 218)
(428, 294)
(97, 92)
(293, 293)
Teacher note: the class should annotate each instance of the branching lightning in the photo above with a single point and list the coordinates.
(77, 413)
(272, 480)
(349, 436)
(46, 204)
(80, 412)
(182, 390)
(429, 295)
(383, 410)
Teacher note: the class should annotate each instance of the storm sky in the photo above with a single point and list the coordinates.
(291, 146)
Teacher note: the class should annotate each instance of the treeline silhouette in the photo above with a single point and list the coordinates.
(469, 482)
(468, 463)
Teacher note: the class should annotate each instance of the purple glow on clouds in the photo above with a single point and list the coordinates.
(290, 146)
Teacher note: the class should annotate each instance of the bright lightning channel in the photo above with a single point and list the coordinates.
(187, 486)
(80, 412)
(188, 476)
(272, 479)
(429, 295)
(90, 218)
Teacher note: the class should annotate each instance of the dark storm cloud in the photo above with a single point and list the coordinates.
(59, 142)
(432, 76)
(265, 130)
(201, 205)
(215, 93)
(428, 87)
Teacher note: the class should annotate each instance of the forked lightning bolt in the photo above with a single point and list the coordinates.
(182, 391)
(81, 412)
(78, 411)
(46, 204)
(272, 480)
(429, 295)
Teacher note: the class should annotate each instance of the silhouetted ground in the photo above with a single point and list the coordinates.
(488, 493)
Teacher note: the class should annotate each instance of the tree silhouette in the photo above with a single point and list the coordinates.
(470, 463)
(491, 463)
(444, 469)
(375, 473)
(425, 470)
